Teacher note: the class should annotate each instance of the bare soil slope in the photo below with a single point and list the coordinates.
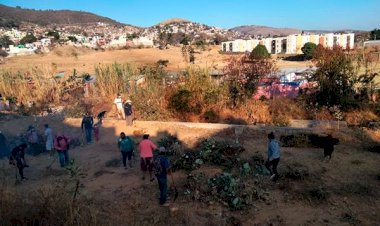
(349, 179)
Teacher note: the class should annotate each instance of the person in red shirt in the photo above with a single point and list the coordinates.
(146, 147)
(61, 144)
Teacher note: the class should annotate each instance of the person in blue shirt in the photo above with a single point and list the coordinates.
(273, 156)
(162, 169)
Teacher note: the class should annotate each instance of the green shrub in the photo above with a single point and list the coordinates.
(180, 101)
(211, 116)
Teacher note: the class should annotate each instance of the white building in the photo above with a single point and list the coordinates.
(291, 44)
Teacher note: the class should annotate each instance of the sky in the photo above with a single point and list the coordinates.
(300, 14)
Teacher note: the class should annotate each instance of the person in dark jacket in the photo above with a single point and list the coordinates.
(17, 158)
(4, 148)
(128, 112)
(87, 124)
(161, 170)
(328, 146)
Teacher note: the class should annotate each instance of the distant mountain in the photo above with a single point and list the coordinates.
(264, 31)
(10, 16)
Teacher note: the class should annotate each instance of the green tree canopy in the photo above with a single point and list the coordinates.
(72, 38)
(308, 50)
(259, 52)
(5, 41)
(54, 34)
(336, 77)
(375, 34)
(29, 38)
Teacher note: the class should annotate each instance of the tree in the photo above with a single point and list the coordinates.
(375, 34)
(5, 41)
(54, 34)
(308, 50)
(131, 36)
(29, 38)
(72, 38)
(259, 52)
(244, 75)
(336, 77)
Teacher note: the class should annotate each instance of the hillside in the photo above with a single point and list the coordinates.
(15, 16)
(173, 21)
(254, 30)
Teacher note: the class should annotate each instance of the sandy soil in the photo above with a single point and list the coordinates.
(85, 60)
(350, 166)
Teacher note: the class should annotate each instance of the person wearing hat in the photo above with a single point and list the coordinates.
(87, 126)
(119, 106)
(161, 171)
(273, 156)
(128, 112)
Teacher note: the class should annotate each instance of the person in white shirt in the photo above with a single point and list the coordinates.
(49, 139)
(119, 106)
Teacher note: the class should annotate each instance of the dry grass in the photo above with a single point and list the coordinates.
(84, 60)
(358, 118)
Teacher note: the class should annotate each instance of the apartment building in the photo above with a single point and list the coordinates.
(291, 44)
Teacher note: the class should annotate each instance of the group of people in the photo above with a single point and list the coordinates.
(124, 109)
(149, 163)
(59, 143)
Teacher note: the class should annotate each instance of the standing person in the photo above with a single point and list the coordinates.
(49, 139)
(128, 112)
(119, 106)
(273, 156)
(17, 158)
(146, 147)
(126, 147)
(4, 148)
(32, 138)
(328, 146)
(87, 124)
(161, 170)
(61, 144)
(96, 129)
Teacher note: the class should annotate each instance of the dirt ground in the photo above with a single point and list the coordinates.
(350, 178)
(84, 60)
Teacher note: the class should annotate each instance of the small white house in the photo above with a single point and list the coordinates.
(145, 41)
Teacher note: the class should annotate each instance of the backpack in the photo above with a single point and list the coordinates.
(157, 167)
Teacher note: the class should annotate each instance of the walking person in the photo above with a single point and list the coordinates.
(161, 171)
(49, 143)
(32, 138)
(328, 146)
(96, 129)
(87, 124)
(146, 147)
(273, 156)
(61, 144)
(4, 145)
(119, 107)
(17, 159)
(126, 147)
(128, 112)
